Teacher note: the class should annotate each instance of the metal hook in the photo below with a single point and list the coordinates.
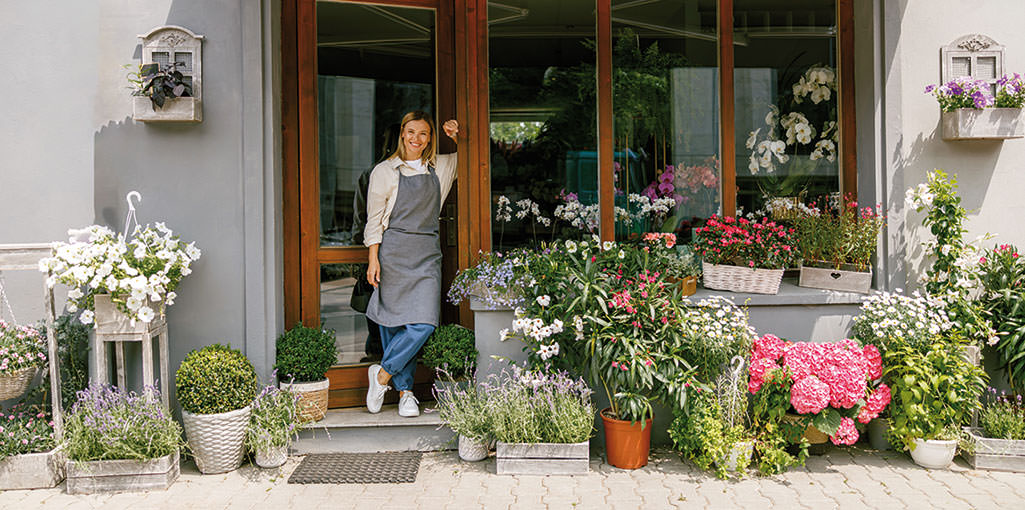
(128, 197)
(738, 366)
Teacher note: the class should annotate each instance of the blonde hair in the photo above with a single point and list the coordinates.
(427, 156)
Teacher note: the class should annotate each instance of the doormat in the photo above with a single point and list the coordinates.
(382, 467)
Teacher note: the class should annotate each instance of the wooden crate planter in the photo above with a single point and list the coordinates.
(32, 470)
(845, 279)
(543, 458)
(985, 124)
(995, 454)
(122, 475)
(741, 279)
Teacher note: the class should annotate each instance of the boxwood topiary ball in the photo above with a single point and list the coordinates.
(215, 379)
(304, 354)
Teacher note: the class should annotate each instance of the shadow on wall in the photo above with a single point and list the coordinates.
(190, 176)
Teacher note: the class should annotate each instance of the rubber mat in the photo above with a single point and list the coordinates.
(383, 467)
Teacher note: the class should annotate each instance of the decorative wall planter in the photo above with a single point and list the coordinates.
(542, 458)
(178, 109)
(985, 124)
(472, 450)
(487, 325)
(933, 453)
(626, 444)
(32, 470)
(995, 454)
(819, 275)
(217, 440)
(741, 279)
(312, 398)
(122, 475)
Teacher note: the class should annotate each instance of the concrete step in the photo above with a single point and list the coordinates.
(355, 430)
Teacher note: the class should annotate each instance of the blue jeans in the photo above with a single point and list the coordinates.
(401, 344)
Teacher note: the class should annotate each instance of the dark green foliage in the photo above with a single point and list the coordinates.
(450, 348)
(215, 379)
(73, 355)
(305, 354)
(163, 83)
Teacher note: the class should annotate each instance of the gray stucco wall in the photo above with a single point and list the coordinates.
(73, 152)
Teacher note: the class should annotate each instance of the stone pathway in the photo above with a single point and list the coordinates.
(842, 478)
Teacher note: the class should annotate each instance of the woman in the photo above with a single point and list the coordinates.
(403, 205)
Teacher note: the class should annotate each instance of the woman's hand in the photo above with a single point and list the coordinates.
(373, 266)
(451, 128)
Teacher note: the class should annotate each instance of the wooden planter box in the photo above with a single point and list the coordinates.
(543, 458)
(179, 109)
(111, 321)
(844, 279)
(32, 470)
(995, 454)
(122, 475)
(985, 124)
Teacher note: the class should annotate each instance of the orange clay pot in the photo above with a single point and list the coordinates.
(626, 444)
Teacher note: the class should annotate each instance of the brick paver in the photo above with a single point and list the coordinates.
(841, 478)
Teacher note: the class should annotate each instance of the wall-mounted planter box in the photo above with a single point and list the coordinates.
(122, 475)
(179, 109)
(819, 275)
(995, 454)
(32, 470)
(985, 124)
(542, 458)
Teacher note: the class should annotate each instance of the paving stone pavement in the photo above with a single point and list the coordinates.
(842, 478)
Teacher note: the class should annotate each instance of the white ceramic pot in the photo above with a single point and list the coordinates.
(472, 450)
(741, 450)
(272, 457)
(313, 398)
(934, 453)
(217, 440)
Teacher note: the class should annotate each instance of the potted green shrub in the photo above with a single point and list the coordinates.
(303, 358)
(215, 387)
(451, 351)
(117, 441)
(272, 426)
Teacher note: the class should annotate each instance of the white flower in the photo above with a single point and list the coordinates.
(146, 314)
(86, 317)
(608, 245)
(133, 304)
(752, 138)
(622, 254)
(72, 308)
(544, 300)
(571, 246)
(75, 293)
(504, 334)
(557, 326)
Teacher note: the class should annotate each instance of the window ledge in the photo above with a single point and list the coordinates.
(789, 294)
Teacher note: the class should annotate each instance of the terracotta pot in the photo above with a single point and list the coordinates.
(627, 444)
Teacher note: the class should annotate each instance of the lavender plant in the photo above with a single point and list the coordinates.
(108, 423)
(537, 407)
(25, 430)
(274, 419)
(465, 411)
(1003, 416)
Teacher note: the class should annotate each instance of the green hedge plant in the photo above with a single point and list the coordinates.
(215, 379)
(452, 349)
(305, 354)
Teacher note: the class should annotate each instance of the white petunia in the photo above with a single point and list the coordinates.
(86, 317)
(544, 300)
(146, 314)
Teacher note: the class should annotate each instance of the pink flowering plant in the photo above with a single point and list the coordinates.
(843, 239)
(25, 430)
(829, 385)
(962, 92)
(21, 347)
(1001, 280)
(742, 242)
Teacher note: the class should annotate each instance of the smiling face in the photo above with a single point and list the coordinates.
(416, 137)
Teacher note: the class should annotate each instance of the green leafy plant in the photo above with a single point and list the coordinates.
(215, 379)
(708, 430)
(73, 352)
(304, 354)
(107, 423)
(162, 82)
(274, 418)
(933, 392)
(844, 239)
(1001, 277)
(1003, 416)
(451, 349)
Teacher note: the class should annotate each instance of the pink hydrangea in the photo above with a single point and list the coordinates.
(809, 395)
(760, 367)
(847, 434)
(875, 362)
(843, 369)
(769, 347)
(875, 404)
(802, 358)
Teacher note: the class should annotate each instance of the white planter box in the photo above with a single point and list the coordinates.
(178, 109)
(843, 280)
(985, 124)
(32, 470)
(542, 458)
(122, 475)
(111, 321)
(995, 454)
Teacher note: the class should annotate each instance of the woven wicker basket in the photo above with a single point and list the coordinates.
(741, 279)
(217, 440)
(312, 398)
(16, 384)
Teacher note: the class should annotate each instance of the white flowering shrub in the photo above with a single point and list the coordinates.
(889, 319)
(140, 274)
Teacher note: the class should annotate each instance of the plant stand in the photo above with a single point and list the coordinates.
(112, 326)
(542, 458)
(995, 454)
(45, 469)
(122, 475)
(491, 348)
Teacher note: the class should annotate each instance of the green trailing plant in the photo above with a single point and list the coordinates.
(304, 354)
(73, 352)
(450, 348)
(274, 419)
(710, 428)
(933, 393)
(107, 423)
(774, 435)
(215, 379)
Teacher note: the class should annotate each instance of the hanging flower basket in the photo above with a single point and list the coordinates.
(741, 279)
(820, 275)
(15, 384)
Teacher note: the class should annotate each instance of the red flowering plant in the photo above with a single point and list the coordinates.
(742, 242)
(829, 385)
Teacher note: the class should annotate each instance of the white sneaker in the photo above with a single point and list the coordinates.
(375, 390)
(409, 406)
